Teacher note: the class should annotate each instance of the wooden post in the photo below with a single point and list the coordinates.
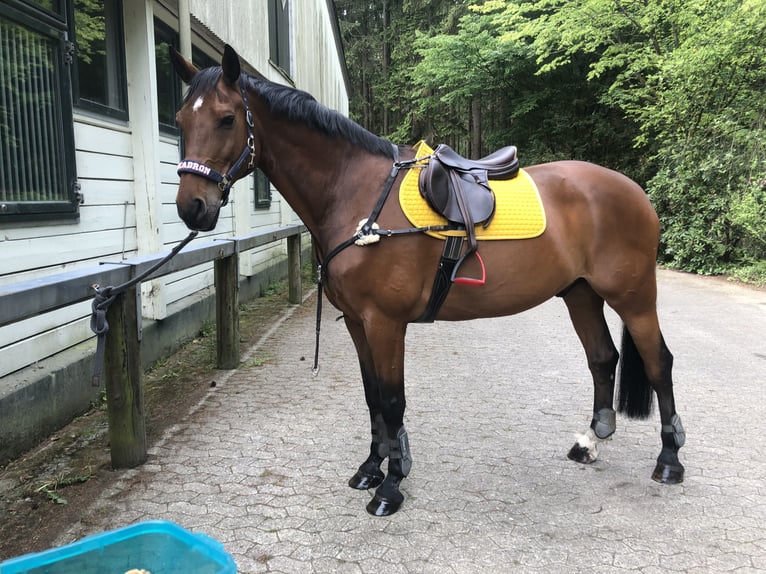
(294, 293)
(227, 311)
(124, 387)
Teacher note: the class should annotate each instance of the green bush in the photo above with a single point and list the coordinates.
(693, 199)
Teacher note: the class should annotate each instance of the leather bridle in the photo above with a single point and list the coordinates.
(226, 180)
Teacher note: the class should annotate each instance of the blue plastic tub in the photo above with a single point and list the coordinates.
(158, 546)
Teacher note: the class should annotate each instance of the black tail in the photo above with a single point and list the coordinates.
(635, 395)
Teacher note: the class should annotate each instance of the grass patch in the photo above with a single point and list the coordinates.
(753, 274)
(50, 488)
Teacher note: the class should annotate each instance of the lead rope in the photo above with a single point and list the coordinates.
(105, 296)
(315, 366)
(321, 271)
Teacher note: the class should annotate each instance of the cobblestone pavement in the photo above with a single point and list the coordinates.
(493, 406)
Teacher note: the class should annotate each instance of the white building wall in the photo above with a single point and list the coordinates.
(129, 194)
(316, 62)
(244, 25)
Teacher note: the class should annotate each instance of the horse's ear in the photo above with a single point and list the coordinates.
(184, 68)
(230, 65)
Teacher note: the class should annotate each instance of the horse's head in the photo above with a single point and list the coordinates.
(219, 146)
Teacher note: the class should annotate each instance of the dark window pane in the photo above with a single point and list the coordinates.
(98, 31)
(262, 190)
(279, 34)
(202, 60)
(47, 4)
(31, 146)
(168, 86)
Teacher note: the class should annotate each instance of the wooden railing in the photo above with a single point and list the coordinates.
(123, 378)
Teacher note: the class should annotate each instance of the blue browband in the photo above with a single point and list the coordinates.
(226, 180)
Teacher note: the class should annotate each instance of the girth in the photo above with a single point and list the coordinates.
(445, 277)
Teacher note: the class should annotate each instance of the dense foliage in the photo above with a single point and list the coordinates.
(673, 93)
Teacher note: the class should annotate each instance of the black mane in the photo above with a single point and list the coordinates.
(299, 106)
(204, 81)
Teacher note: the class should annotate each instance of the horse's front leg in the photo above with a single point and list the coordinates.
(380, 345)
(369, 474)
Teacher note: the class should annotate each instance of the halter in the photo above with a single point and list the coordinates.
(225, 181)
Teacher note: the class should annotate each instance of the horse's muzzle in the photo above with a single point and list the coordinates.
(197, 214)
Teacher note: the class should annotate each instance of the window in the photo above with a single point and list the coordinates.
(50, 5)
(279, 34)
(37, 180)
(262, 190)
(202, 60)
(168, 84)
(99, 79)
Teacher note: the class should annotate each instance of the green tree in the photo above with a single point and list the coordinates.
(691, 75)
(378, 40)
(669, 92)
(556, 115)
(708, 116)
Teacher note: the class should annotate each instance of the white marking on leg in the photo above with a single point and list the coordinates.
(589, 441)
(197, 104)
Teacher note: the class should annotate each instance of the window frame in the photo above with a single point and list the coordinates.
(53, 26)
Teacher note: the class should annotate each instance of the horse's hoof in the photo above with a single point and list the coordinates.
(668, 473)
(581, 454)
(365, 481)
(380, 506)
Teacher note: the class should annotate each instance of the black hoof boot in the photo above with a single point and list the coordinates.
(669, 470)
(579, 453)
(380, 506)
(365, 480)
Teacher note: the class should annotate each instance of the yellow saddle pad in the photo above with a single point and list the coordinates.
(519, 213)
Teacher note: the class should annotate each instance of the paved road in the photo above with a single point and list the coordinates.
(493, 407)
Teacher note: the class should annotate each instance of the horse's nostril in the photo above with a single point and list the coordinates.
(200, 208)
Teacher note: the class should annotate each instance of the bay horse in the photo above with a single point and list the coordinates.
(600, 245)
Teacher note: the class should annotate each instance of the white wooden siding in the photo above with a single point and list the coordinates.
(108, 230)
(33, 340)
(105, 232)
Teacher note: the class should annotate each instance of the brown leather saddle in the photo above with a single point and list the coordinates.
(458, 188)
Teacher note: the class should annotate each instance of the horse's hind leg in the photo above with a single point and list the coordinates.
(648, 362)
(586, 310)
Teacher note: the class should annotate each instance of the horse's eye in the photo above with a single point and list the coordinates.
(227, 122)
